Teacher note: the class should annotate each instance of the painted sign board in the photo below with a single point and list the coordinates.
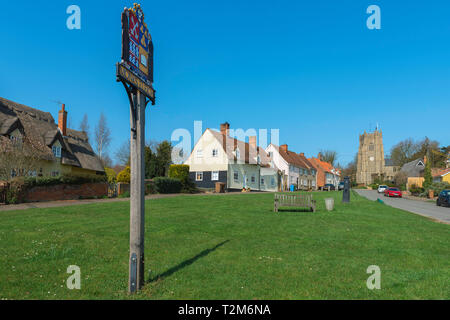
(137, 49)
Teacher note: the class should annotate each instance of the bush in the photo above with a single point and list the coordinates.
(124, 176)
(15, 191)
(64, 179)
(167, 185)
(111, 175)
(150, 187)
(437, 187)
(179, 171)
(126, 194)
(416, 191)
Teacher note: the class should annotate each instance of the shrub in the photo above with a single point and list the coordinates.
(181, 172)
(437, 187)
(64, 179)
(167, 185)
(111, 175)
(16, 189)
(150, 187)
(126, 194)
(124, 175)
(416, 191)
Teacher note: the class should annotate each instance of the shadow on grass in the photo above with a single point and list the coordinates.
(186, 262)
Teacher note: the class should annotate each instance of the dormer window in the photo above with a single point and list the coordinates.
(56, 151)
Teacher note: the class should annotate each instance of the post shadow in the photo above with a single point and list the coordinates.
(186, 262)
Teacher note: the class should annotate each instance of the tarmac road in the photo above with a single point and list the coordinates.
(423, 208)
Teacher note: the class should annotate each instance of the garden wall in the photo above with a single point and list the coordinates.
(66, 192)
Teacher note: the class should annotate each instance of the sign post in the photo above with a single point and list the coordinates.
(346, 193)
(135, 71)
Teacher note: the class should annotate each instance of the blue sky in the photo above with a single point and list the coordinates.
(309, 68)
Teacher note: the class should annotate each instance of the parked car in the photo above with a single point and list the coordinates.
(341, 185)
(393, 192)
(382, 188)
(329, 187)
(443, 198)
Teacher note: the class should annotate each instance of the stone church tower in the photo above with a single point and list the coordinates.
(370, 158)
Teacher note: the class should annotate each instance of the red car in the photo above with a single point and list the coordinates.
(392, 192)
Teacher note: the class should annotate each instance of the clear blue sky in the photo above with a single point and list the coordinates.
(310, 68)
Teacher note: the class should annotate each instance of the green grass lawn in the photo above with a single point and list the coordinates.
(226, 247)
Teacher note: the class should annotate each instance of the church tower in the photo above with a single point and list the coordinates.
(370, 158)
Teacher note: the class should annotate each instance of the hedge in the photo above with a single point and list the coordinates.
(167, 185)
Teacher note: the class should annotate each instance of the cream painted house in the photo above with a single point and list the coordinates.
(217, 157)
(61, 150)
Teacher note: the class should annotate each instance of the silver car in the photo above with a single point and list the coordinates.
(382, 188)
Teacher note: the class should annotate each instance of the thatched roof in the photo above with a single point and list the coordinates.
(39, 125)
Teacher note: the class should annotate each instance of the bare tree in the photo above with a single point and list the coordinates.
(404, 151)
(123, 153)
(19, 157)
(84, 125)
(102, 136)
(329, 156)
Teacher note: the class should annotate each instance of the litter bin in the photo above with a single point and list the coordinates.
(220, 187)
(292, 188)
(329, 203)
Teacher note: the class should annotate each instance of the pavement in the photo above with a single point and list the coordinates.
(423, 208)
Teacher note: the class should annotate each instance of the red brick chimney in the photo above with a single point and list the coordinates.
(62, 120)
(252, 141)
(225, 128)
(302, 154)
(424, 159)
(284, 148)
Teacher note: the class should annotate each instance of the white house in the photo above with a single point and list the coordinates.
(295, 168)
(217, 157)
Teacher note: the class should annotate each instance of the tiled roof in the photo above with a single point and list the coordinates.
(247, 153)
(441, 172)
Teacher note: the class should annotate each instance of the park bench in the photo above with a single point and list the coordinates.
(301, 200)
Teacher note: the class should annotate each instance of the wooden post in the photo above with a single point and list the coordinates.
(137, 193)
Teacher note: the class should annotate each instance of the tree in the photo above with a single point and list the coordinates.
(84, 125)
(102, 137)
(123, 153)
(329, 156)
(20, 157)
(428, 178)
(163, 155)
(403, 152)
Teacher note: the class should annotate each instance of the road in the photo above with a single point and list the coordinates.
(423, 208)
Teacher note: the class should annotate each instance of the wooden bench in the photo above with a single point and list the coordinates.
(301, 200)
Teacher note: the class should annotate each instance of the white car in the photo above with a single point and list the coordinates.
(381, 188)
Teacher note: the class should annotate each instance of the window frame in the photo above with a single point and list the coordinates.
(197, 173)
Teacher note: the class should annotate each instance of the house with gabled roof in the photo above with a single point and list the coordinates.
(218, 157)
(295, 168)
(442, 175)
(326, 173)
(61, 150)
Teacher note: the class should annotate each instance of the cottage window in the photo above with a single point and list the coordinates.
(215, 152)
(215, 176)
(199, 176)
(272, 181)
(199, 153)
(56, 151)
(262, 180)
(253, 179)
(236, 176)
